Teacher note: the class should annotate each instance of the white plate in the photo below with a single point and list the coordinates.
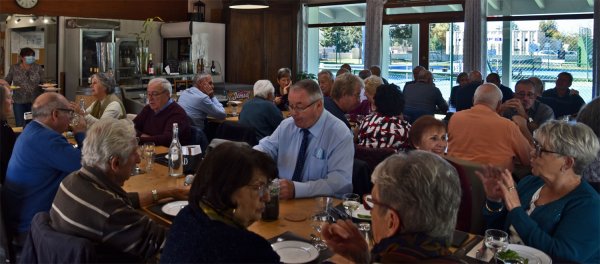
(295, 251)
(173, 208)
(361, 211)
(534, 256)
(51, 89)
(48, 85)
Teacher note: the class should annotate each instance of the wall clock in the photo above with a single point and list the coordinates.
(27, 3)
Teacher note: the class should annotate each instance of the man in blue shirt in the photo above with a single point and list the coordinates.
(41, 159)
(260, 112)
(325, 169)
(199, 101)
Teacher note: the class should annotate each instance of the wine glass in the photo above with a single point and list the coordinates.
(318, 220)
(148, 152)
(351, 202)
(496, 240)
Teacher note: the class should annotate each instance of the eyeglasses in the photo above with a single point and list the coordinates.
(523, 95)
(369, 202)
(539, 149)
(299, 109)
(261, 189)
(70, 111)
(155, 94)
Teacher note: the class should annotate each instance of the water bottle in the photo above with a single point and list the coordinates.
(175, 154)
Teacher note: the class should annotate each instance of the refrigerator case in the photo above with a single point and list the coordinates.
(126, 70)
(190, 41)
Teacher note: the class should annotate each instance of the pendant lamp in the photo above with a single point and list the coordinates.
(248, 4)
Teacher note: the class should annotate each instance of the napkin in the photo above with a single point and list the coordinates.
(487, 255)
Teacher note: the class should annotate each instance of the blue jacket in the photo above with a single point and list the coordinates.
(41, 159)
(262, 115)
(565, 229)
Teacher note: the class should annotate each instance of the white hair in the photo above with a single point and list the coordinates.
(488, 94)
(108, 138)
(263, 88)
(164, 83)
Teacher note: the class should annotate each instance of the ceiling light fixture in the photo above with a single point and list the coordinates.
(248, 4)
(45, 20)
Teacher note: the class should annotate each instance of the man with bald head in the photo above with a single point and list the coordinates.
(479, 134)
(41, 158)
(464, 95)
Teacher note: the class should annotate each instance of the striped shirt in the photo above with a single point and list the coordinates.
(89, 205)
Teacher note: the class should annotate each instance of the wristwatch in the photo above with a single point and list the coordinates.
(155, 195)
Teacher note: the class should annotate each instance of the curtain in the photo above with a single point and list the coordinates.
(475, 36)
(373, 29)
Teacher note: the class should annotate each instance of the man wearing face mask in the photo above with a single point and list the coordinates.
(27, 75)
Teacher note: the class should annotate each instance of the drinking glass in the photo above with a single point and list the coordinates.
(148, 152)
(496, 240)
(318, 220)
(351, 202)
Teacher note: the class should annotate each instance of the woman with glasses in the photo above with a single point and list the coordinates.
(553, 210)
(107, 104)
(223, 201)
(386, 128)
(409, 222)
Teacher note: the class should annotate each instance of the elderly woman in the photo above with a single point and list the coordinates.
(367, 106)
(107, 104)
(27, 75)
(224, 200)
(284, 81)
(409, 222)
(91, 203)
(7, 135)
(554, 211)
(590, 115)
(429, 134)
(386, 128)
(260, 112)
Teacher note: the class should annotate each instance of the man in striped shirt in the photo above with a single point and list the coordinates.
(90, 203)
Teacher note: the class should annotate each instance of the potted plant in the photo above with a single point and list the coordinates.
(143, 40)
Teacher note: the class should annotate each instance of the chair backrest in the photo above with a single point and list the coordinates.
(463, 222)
(361, 178)
(217, 141)
(477, 193)
(372, 156)
(45, 245)
(235, 131)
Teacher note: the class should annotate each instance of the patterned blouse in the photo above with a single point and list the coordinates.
(379, 131)
(29, 81)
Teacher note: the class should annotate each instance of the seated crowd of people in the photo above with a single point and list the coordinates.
(541, 175)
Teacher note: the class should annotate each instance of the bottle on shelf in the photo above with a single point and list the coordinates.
(150, 65)
(175, 154)
(213, 69)
(200, 66)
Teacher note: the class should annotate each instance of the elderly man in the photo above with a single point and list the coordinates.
(525, 105)
(415, 72)
(423, 98)
(376, 70)
(41, 158)
(313, 149)
(481, 135)
(494, 78)
(464, 95)
(325, 78)
(561, 99)
(155, 122)
(404, 231)
(91, 203)
(260, 112)
(199, 101)
(345, 96)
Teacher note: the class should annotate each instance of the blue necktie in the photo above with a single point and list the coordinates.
(301, 156)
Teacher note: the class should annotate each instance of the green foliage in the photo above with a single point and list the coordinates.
(305, 75)
(438, 35)
(400, 34)
(549, 28)
(338, 37)
(143, 37)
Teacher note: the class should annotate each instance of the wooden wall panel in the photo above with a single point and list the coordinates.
(279, 47)
(169, 10)
(245, 49)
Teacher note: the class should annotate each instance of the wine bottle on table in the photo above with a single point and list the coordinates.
(175, 154)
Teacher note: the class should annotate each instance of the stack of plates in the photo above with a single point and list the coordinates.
(50, 87)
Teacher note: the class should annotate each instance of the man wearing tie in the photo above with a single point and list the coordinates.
(313, 149)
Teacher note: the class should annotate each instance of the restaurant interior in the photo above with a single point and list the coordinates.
(136, 41)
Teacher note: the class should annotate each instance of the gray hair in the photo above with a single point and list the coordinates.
(199, 77)
(164, 83)
(590, 115)
(539, 85)
(475, 76)
(263, 88)
(488, 94)
(371, 84)
(108, 138)
(39, 111)
(423, 186)
(425, 76)
(311, 87)
(574, 140)
(107, 81)
(326, 72)
(345, 84)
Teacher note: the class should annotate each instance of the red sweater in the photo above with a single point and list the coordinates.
(160, 126)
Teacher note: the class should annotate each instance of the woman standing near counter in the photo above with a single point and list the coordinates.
(28, 76)
(107, 104)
